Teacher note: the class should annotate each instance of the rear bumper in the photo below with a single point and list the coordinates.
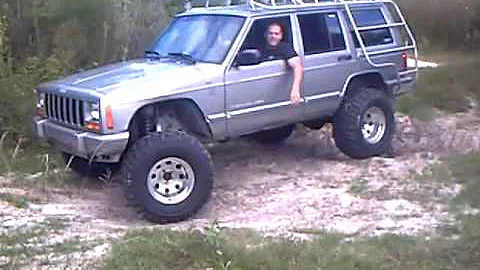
(103, 148)
(406, 84)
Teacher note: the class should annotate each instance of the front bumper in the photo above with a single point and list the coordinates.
(103, 148)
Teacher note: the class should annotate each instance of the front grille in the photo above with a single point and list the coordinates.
(65, 109)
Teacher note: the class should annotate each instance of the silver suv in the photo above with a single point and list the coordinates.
(205, 80)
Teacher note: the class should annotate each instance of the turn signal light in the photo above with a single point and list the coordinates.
(93, 126)
(109, 114)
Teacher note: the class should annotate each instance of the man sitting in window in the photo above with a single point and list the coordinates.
(277, 49)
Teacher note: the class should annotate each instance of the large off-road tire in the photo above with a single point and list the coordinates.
(273, 136)
(168, 176)
(364, 124)
(88, 169)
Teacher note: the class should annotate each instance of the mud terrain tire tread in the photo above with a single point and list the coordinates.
(347, 123)
(148, 150)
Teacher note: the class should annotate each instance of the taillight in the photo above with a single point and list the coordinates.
(405, 60)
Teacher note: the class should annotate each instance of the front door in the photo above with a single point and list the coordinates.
(258, 96)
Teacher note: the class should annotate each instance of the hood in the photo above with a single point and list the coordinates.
(165, 73)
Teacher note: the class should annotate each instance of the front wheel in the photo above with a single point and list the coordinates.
(365, 124)
(168, 176)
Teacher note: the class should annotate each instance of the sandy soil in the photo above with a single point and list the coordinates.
(304, 186)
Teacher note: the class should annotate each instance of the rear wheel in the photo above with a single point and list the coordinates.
(365, 124)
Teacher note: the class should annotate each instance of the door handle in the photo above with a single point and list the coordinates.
(344, 57)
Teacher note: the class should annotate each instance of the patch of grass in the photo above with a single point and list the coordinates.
(466, 171)
(55, 224)
(41, 166)
(159, 249)
(450, 88)
(358, 186)
(438, 172)
(457, 248)
(460, 169)
(15, 200)
(413, 105)
(26, 245)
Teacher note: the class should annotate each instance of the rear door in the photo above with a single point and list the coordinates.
(328, 61)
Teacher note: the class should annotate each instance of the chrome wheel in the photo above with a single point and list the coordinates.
(373, 125)
(171, 180)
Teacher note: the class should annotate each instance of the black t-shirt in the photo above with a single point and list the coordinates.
(281, 51)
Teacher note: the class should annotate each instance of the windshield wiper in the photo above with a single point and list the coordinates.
(185, 56)
(155, 54)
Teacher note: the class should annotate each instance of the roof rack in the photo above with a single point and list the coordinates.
(273, 4)
(348, 4)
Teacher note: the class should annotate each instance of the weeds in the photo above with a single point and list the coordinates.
(158, 249)
(23, 246)
(15, 200)
(452, 88)
(466, 171)
(358, 186)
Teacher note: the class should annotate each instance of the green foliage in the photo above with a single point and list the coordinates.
(451, 87)
(15, 200)
(42, 40)
(18, 98)
(466, 171)
(84, 33)
(161, 249)
(444, 24)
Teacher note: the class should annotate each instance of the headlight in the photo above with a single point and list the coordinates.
(41, 100)
(93, 112)
(40, 104)
(92, 116)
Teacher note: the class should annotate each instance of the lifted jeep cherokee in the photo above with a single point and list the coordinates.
(201, 82)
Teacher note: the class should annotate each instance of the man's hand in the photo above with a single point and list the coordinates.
(295, 96)
(297, 64)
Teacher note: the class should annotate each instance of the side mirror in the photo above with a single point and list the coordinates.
(249, 57)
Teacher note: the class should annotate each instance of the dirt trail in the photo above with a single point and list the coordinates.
(304, 186)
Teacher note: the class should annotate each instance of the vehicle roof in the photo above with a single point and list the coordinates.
(244, 10)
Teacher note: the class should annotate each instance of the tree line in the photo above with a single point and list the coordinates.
(43, 39)
(80, 33)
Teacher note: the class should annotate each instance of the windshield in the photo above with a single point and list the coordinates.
(204, 38)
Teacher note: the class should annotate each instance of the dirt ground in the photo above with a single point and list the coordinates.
(300, 188)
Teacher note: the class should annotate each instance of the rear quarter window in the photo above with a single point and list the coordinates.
(371, 17)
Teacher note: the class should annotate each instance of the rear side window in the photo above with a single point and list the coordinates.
(371, 17)
(321, 32)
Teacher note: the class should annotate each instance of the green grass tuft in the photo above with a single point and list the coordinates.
(15, 200)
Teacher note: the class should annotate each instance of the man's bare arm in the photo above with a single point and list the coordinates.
(297, 65)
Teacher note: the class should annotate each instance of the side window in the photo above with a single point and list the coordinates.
(371, 17)
(321, 32)
(256, 38)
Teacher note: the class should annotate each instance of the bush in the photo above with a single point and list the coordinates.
(444, 24)
(450, 88)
